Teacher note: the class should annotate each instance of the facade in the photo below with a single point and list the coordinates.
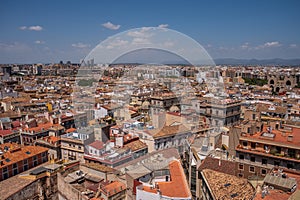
(223, 113)
(280, 82)
(73, 144)
(115, 190)
(9, 136)
(33, 131)
(15, 158)
(112, 155)
(53, 144)
(163, 102)
(271, 147)
(171, 136)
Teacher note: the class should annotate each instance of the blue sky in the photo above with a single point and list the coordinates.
(50, 31)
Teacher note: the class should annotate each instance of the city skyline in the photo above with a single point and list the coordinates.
(53, 31)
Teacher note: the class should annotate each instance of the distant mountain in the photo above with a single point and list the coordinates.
(275, 61)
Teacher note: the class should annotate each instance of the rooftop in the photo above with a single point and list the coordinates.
(99, 167)
(280, 136)
(13, 152)
(136, 145)
(176, 187)
(225, 186)
(97, 144)
(167, 131)
(113, 188)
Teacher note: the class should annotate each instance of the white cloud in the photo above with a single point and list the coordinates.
(245, 45)
(269, 45)
(111, 26)
(80, 45)
(141, 33)
(163, 26)
(35, 28)
(293, 46)
(117, 43)
(272, 44)
(31, 28)
(168, 44)
(23, 28)
(14, 47)
(140, 41)
(39, 42)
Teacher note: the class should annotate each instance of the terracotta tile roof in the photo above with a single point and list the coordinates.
(266, 108)
(111, 106)
(40, 127)
(15, 184)
(113, 188)
(136, 145)
(224, 166)
(5, 132)
(70, 130)
(279, 137)
(17, 152)
(97, 144)
(16, 124)
(176, 187)
(99, 167)
(224, 186)
(167, 131)
(52, 139)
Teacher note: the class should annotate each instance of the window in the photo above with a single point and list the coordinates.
(253, 145)
(252, 159)
(241, 175)
(241, 167)
(5, 169)
(263, 171)
(35, 162)
(15, 168)
(245, 143)
(253, 116)
(251, 169)
(248, 131)
(264, 161)
(5, 173)
(44, 157)
(276, 163)
(25, 164)
(241, 156)
(290, 166)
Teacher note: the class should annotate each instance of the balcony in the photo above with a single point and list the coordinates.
(268, 153)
